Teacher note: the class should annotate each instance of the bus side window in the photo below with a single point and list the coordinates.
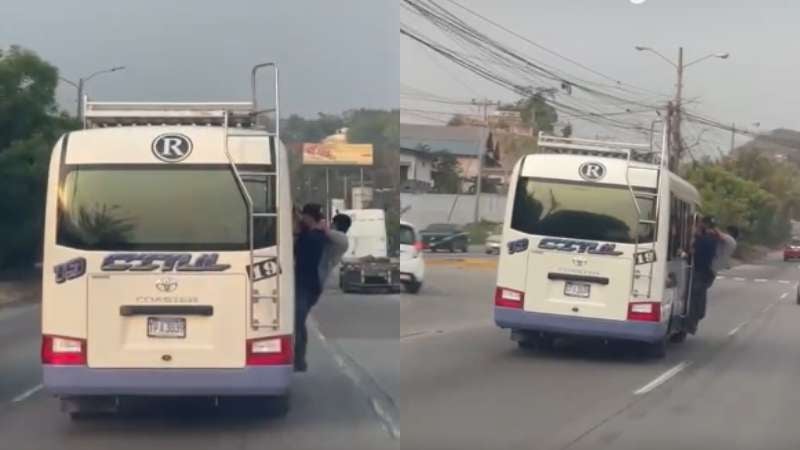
(674, 243)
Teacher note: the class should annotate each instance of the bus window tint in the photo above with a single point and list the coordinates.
(159, 209)
(406, 235)
(580, 211)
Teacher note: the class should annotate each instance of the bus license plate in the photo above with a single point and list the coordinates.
(161, 327)
(577, 289)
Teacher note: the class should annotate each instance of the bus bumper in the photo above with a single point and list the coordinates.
(516, 319)
(253, 380)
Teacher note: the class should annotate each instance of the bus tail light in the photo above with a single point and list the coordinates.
(508, 298)
(644, 311)
(271, 351)
(419, 247)
(63, 351)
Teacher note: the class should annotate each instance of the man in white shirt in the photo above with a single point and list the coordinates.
(336, 246)
(726, 245)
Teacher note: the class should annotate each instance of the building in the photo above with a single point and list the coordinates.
(416, 170)
(465, 143)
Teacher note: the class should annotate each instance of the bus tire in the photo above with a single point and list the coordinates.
(412, 287)
(655, 350)
(678, 337)
(278, 406)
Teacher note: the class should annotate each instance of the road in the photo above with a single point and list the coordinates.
(344, 401)
(466, 386)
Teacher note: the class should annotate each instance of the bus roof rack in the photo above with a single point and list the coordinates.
(593, 147)
(114, 114)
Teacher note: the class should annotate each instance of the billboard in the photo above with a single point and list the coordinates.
(337, 154)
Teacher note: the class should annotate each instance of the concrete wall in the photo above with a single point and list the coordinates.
(434, 208)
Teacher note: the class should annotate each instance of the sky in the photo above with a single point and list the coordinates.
(756, 84)
(333, 55)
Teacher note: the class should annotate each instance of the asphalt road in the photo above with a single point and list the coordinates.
(343, 402)
(466, 386)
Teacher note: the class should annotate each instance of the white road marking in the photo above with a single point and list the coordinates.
(27, 393)
(760, 280)
(785, 294)
(784, 282)
(663, 378)
(736, 330)
(722, 277)
(739, 279)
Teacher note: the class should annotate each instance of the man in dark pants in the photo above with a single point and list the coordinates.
(308, 250)
(704, 251)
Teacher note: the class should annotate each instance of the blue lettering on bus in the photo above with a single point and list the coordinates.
(70, 270)
(575, 246)
(520, 245)
(166, 262)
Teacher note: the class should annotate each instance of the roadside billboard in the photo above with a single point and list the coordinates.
(337, 154)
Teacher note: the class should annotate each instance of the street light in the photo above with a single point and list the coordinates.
(82, 81)
(680, 66)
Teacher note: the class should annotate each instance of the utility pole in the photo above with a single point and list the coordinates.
(80, 87)
(677, 112)
(481, 147)
(675, 108)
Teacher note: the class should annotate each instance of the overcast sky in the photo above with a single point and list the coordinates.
(758, 83)
(334, 55)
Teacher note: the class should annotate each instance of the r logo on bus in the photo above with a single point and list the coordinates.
(172, 147)
(592, 171)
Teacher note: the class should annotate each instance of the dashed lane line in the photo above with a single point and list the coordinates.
(663, 378)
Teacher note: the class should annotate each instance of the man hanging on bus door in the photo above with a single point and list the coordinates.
(703, 253)
(309, 247)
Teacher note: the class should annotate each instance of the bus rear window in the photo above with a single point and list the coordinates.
(165, 208)
(580, 211)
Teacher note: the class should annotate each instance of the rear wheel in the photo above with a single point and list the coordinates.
(412, 287)
(678, 337)
(656, 350)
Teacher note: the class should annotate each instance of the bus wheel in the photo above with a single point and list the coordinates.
(655, 350)
(678, 337)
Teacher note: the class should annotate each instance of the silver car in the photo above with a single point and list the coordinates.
(493, 243)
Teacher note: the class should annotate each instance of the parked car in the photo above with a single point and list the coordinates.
(493, 243)
(792, 250)
(445, 236)
(412, 260)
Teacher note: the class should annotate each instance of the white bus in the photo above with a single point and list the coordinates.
(595, 240)
(168, 256)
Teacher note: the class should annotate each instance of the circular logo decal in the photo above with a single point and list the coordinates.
(172, 147)
(592, 171)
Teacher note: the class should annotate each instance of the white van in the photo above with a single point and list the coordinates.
(412, 258)
(168, 258)
(594, 244)
(366, 264)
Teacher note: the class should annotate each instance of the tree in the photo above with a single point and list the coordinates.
(566, 131)
(27, 94)
(537, 113)
(29, 125)
(446, 173)
(457, 121)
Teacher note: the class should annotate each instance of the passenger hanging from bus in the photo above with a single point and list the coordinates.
(705, 249)
(726, 246)
(308, 255)
(335, 247)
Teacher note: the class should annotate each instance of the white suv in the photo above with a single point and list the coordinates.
(412, 262)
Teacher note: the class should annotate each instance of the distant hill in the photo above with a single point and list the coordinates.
(779, 144)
